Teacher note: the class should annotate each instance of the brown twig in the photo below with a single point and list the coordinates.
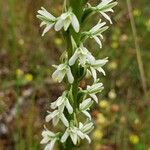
(137, 47)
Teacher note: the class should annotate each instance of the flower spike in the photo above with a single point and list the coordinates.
(76, 62)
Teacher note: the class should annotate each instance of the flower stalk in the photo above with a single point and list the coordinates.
(72, 108)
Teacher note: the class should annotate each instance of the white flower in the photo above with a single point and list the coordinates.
(83, 55)
(77, 133)
(55, 116)
(72, 132)
(104, 7)
(66, 19)
(97, 65)
(47, 19)
(84, 106)
(61, 71)
(86, 129)
(96, 32)
(93, 90)
(49, 138)
(61, 103)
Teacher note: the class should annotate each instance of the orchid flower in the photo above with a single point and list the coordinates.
(60, 22)
(83, 55)
(55, 116)
(84, 106)
(97, 66)
(47, 19)
(61, 71)
(49, 138)
(61, 103)
(93, 90)
(96, 32)
(66, 19)
(104, 7)
(77, 133)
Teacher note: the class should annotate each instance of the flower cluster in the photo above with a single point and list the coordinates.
(75, 101)
(64, 21)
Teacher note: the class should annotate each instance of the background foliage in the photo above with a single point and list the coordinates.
(26, 88)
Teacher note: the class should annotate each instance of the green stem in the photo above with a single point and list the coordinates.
(77, 9)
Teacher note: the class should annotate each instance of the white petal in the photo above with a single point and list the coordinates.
(51, 115)
(106, 1)
(47, 29)
(90, 58)
(42, 24)
(47, 147)
(45, 13)
(73, 58)
(53, 105)
(59, 24)
(88, 138)
(55, 121)
(98, 41)
(46, 133)
(50, 145)
(80, 134)
(60, 100)
(44, 140)
(87, 127)
(64, 15)
(94, 97)
(69, 107)
(97, 27)
(67, 24)
(86, 113)
(106, 16)
(64, 120)
(101, 62)
(80, 125)
(75, 23)
(95, 88)
(55, 74)
(70, 76)
(101, 70)
(82, 60)
(93, 73)
(65, 136)
(85, 103)
(74, 138)
(61, 108)
(58, 75)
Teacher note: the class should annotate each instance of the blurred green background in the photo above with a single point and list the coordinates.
(26, 88)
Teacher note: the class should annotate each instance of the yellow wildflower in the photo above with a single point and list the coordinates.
(21, 42)
(28, 77)
(104, 104)
(134, 139)
(113, 65)
(136, 12)
(101, 118)
(136, 121)
(112, 94)
(97, 134)
(19, 72)
(58, 41)
(148, 24)
(114, 45)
